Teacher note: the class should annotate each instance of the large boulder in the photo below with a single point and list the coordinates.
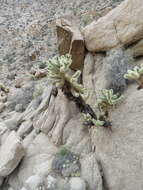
(121, 26)
(120, 150)
(71, 41)
(11, 153)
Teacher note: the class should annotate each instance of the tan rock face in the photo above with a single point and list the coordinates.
(90, 172)
(71, 41)
(121, 26)
(120, 151)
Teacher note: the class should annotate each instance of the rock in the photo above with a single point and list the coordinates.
(66, 163)
(88, 72)
(90, 172)
(76, 183)
(1, 180)
(70, 41)
(29, 138)
(11, 76)
(34, 182)
(12, 123)
(22, 96)
(137, 49)
(115, 66)
(25, 128)
(19, 108)
(2, 107)
(3, 128)
(23, 188)
(56, 183)
(120, 152)
(39, 154)
(121, 26)
(19, 82)
(79, 142)
(51, 183)
(44, 168)
(4, 135)
(11, 152)
(10, 188)
(40, 73)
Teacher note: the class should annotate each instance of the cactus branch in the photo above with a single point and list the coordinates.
(137, 75)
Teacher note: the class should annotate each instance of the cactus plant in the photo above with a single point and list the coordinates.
(58, 72)
(136, 74)
(107, 100)
(89, 120)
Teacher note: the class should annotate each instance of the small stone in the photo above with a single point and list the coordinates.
(11, 124)
(10, 188)
(11, 152)
(76, 183)
(19, 108)
(11, 76)
(23, 188)
(25, 128)
(34, 182)
(18, 83)
(51, 182)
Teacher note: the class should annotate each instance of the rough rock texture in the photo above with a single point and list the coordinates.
(121, 26)
(90, 172)
(34, 182)
(77, 183)
(70, 40)
(137, 49)
(37, 160)
(11, 152)
(115, 66)
(107, 158)
(120, 151)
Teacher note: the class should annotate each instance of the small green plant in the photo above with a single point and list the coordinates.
(58, 71)
(136, 74)
(87, 118)
(107, 100)
(63, 151)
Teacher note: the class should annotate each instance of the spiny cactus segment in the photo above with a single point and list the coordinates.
(92, 121)
(58, 71)
(107, 100)
(136, 74)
